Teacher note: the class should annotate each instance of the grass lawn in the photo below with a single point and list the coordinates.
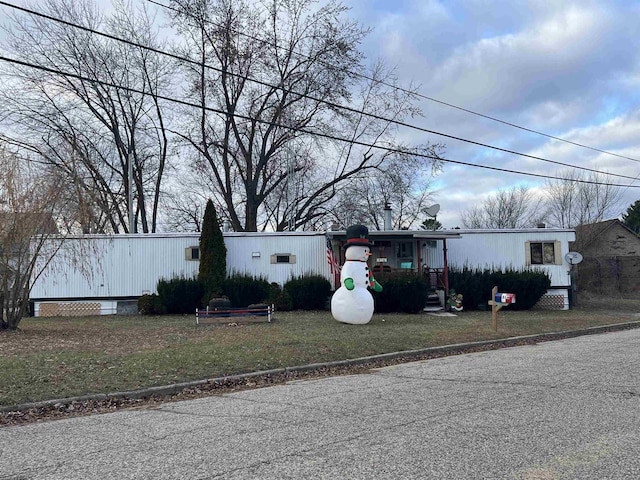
(62, 357)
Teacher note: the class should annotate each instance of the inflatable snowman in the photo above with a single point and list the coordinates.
(352, 302)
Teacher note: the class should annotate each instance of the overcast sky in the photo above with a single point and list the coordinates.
(565, 68)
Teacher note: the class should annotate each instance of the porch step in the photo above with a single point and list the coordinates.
(433, 303)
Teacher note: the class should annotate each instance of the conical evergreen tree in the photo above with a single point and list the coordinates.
(213, 254)
(632, 218)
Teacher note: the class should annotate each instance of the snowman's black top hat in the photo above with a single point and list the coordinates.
(358, 235)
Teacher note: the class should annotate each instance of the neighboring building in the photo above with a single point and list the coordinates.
(116, 269)
(606, 239)
(611, 263)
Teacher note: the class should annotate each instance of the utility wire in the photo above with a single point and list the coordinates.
(310, 97)
(405, 90)
(296, 129)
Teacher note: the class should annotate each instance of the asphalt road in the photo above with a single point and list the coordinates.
(565, 409)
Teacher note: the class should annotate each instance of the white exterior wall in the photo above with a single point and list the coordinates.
(112, 266)
(494, 249)
(251, 253)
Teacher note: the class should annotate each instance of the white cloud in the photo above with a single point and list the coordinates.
(566, 68)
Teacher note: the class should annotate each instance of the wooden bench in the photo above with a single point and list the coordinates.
(251, 314)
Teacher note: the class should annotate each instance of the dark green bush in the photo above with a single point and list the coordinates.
(279, 298)
(180, 295)
(401, 292)
(151, 305)
(243, 289)
(475, 285)
(308, 292)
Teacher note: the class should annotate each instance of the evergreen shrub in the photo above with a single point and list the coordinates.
(475, 285)
(151, 305)
(308, 292)
(279, 298)
(244, 289)
(180, 294)
(405, 292)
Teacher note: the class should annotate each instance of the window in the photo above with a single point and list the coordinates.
(192, 253)
(404, 250)
(543, 253)
(404, 255)
(283, 258)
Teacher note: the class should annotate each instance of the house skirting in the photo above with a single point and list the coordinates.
(554, 299)
(81, 308)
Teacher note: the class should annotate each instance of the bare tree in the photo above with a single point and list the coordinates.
(400, 183)
(270, 146)
(28, 203)
(512, 208)
(583, 198)
(110, 144)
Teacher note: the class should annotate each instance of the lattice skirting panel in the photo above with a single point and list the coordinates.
(73, 309)
(553, 300)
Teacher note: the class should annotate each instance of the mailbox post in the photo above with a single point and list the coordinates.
(499, 300)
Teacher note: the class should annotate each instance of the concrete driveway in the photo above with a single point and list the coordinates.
(564, 409)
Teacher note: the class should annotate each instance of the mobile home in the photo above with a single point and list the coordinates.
(94, 274)
(105, 274)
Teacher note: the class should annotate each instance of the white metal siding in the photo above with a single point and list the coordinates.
(115, 266)
(110, 266)
(309, 250)
(503, 249)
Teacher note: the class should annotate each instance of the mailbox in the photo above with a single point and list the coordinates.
(505, 298)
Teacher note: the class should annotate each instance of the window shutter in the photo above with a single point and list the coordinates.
(527, 253)
(192, 253)
(557, 250)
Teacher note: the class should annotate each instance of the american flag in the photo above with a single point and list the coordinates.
(331, 258)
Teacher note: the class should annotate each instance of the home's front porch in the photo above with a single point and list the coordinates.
(423, 252)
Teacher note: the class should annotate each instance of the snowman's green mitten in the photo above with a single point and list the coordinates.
(348, 283)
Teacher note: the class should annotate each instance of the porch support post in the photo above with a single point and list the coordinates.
(445, 272)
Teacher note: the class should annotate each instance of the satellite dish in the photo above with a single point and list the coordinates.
(573, 258)
(433, 210)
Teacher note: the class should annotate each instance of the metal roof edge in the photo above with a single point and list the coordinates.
(112, 236)
(514, 230)
(275, 234)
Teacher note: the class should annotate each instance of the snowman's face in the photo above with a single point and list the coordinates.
(357, 253)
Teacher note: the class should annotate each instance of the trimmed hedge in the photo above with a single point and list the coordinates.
(151, 305)
(401, 292)
(244, 290)
(308, 292)
(475, 285)
(279, 298)
(180, 294)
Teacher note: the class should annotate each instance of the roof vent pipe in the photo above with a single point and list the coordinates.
(226, 226)
(387, 217)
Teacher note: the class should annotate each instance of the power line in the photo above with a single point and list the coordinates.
(301, 130)
(417, 94)
(310, 97)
